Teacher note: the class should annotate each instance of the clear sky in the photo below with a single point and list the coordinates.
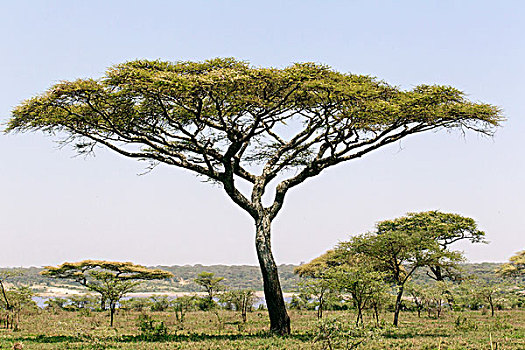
(55, 207)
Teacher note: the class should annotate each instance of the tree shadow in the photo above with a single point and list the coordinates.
(191, 337)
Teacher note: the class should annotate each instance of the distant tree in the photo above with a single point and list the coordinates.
(81, 302)
(159, 302)
(319, 289)
(515, 267)
(398, 253)
(361, 283)
(491, 294)
(268, 128)
(56, 304)
(418, 295)
(112, 280)
(20, 299)
(241, 300)
(445, 229)
(436, 297)
(7, 304)
(210, 283)
(137, 304)
(181, 305)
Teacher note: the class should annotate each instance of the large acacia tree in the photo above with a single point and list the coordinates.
(231, 123)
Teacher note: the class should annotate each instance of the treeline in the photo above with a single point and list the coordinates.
(235, 277)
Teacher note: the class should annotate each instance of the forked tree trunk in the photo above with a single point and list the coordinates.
(279, 319)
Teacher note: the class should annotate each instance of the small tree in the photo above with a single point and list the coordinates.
(398, 253)
(241, 300)
(6, 298)
(318, 289)
(435, 297)
(490, 294)
(20, 299)
(181, 305)
(112, 280)
(210, 283)
(418, 295)
(361, 283)
(159, 302)
(317, 283)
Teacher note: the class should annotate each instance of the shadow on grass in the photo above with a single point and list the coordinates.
(192, 337)
(410, 335)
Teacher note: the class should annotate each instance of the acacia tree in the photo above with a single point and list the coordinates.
(398, 253)
(445, 229)
(515, 267)
(112, 280)
(210, 283)
(6, 301)
(232, 123)
(361, 283)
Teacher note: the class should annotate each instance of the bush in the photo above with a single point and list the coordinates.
(205, 304)
(333, 334)
(150, 328)
(159, 302)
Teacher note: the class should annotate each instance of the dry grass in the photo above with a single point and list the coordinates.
(201, 330)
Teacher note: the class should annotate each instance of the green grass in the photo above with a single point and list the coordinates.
(201, 330)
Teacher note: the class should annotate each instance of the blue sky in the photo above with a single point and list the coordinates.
(56, 207)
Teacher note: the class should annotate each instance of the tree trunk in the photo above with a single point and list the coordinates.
(359, 316)
(279, 319)
(320, 309)
(376, 312)
(398, 306)
(111, 313)
(491, 303)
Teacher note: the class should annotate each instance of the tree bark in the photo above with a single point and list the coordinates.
(279, 319)
(320, 309)
(398, 305)
(111, 313)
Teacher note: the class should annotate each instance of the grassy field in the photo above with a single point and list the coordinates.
(202, 330)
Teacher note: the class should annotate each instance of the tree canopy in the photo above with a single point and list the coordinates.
(112, 280)
(444, 229)
(231, 122)
(396, 249)
(220, 116)
(515, 267)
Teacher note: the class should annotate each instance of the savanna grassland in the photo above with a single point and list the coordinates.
(46, 329)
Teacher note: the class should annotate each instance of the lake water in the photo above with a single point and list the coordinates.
(40, 301)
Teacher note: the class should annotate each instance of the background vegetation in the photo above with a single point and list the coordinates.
(235, 277)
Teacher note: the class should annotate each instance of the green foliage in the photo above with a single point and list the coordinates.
(464, 323)
(445, 229)
(392, 254)
(159, 302)
(182, 305)
(15, 302)
(490, 295)
(333, 334)
(221, 117)
(151, 329)
(136, 304)
(205, 304)
(210, 283)
(515, 268)
(239, 300)
(112, 280)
